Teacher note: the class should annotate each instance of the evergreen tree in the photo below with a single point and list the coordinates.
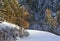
(12, 12)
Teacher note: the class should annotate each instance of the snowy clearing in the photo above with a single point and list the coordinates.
(39, 36)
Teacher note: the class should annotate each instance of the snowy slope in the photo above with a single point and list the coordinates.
(34, 34)
(39, 36)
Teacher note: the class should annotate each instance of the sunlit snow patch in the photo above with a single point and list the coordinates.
(40, 36)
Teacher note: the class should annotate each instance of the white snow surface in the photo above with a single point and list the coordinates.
(36, 35)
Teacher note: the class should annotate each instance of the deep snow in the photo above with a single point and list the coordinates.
(39, 36)
(35, 35)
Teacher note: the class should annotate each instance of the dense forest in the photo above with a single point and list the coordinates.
(44, 14)
(32, 14)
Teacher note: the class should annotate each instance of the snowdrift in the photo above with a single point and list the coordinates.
(34, 35)
(39, 36)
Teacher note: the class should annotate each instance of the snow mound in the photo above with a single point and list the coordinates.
(39, 36)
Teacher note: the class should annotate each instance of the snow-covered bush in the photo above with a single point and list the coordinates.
(9, 31)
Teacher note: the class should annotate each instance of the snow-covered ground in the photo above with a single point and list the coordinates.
(34, 35)
(39, 36)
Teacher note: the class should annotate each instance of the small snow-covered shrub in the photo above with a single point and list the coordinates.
(10, 32)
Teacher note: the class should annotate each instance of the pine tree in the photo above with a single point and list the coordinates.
(50, 20)
(12, 12)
